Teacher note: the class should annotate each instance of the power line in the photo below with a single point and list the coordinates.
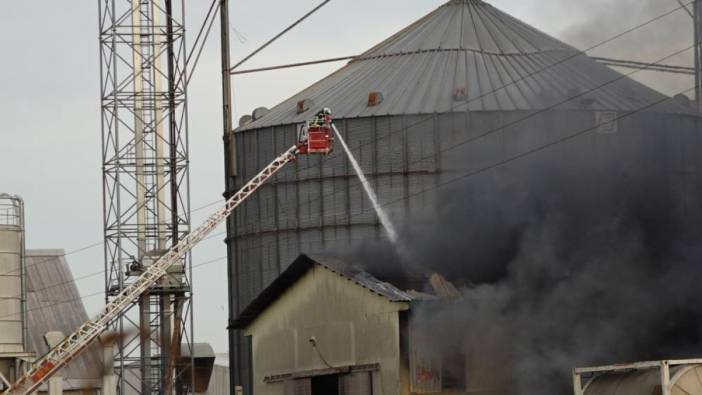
(686, 9)
(291, 65)
(99, 243)
(51, 258)
(514, 82)
(81, 298)
(65, 254)
(632, 64)
(207, 34)
(482, 135)
(101, 272)
(537, 149)
(211, 12)
(277, 36)
(487, 133)
(442, 184)
(501, 127)
(532, 74)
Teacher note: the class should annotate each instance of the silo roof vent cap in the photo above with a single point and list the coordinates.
(375, 98)
(682, 99)
(259, 113)
(304, 105)
(245, 120)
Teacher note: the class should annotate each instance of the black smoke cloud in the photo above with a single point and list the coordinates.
(557, 271)
(592, 22)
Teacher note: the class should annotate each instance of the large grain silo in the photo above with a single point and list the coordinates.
(465, 90)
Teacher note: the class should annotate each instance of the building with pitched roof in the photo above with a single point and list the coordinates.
(326, 328)
(55, 307)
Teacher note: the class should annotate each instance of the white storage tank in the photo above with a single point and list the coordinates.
(12, 284)
(672, 377)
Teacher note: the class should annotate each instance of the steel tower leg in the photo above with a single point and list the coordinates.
(146, 184)
(697, 22)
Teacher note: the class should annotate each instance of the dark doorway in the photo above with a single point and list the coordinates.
(325, 385)
(453, 371)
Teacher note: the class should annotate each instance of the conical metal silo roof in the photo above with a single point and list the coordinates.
(467, 55)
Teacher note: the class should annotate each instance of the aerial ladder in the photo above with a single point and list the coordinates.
(315, 137)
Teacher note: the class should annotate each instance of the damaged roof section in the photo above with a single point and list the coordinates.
(301, 266)
(440, 287)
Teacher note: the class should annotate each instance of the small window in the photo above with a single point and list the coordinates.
(606, 122)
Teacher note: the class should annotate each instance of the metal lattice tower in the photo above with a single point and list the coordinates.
(146, 185)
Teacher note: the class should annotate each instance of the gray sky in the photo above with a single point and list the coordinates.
(49, 101)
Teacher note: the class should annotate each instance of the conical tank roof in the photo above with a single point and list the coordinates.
(467, 55)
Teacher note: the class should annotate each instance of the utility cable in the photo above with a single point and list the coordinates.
(525, 153)
(501, 127)
(202, 46)
(686, 9)
(48, 259)
(291, 65)
(99, 243)
(102, 272)
(53, 257)
(521, 79)
(538, 71)
(313, 342)
(456, 179)
(277, 36)
(102, 293)
(214, 7)
(518, 156)
(633, 64)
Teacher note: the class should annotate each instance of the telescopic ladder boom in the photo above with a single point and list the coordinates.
(72, 345)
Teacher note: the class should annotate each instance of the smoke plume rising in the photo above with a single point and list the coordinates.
(585, 24)
(557, 272)
(561, 270)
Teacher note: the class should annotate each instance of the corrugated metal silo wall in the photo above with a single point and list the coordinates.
(317, 204)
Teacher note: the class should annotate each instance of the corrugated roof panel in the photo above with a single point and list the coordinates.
(506, 42)
(474, 21)
(518, 91)
(301, 266)
(54, 304)
(520, 31)
(503, 33)
(503, 63)
(449, 39)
